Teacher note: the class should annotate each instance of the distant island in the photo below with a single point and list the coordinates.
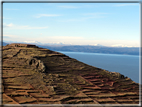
(94, 49)
(90, 49)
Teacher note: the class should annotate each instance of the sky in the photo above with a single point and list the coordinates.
(108, 24)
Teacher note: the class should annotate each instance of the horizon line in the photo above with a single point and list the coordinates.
(62, 44)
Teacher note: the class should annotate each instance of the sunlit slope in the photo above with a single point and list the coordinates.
(32, 75)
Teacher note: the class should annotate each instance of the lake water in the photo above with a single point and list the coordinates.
(128, 65)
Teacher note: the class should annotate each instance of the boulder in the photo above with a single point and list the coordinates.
(118, 75)
(37, 64)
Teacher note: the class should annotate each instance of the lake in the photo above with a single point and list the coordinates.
(128, 65)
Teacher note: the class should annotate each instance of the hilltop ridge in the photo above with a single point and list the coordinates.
(33, 75)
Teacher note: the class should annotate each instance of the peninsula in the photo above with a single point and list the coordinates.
(33, 75)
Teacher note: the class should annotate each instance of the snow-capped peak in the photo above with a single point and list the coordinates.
(34, 42)
(120, 45)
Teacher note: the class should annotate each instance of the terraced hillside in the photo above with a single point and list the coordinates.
(32, 75)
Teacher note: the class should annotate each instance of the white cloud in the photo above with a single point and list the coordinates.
(30, 27)
(6, 18)
(60, 39)
(47, 15)
(12, 26)
(127, 4)
(10, 9)
(73, 20)
(86, 16)
(18, 38)
(94, 15)
(68, 7)
(13, 38)
(10, 36)
(7, 25)
(65, 37)
(90, 6)
(121, 45)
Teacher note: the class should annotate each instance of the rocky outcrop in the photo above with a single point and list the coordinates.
(116, 75)
(37, 65)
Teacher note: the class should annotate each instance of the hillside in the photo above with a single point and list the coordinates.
(33, 75)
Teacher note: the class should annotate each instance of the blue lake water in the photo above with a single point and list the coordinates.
(128, 65)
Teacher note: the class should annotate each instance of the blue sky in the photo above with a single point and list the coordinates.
(109, 24)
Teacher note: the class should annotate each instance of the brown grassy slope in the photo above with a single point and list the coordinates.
(33, 75)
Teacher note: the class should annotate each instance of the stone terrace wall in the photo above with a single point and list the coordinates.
(22, 45)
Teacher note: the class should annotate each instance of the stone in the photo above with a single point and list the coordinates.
(37, 64)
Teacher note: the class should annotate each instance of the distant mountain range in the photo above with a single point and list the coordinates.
(3, 43)
(86, 48)
(95, 49)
